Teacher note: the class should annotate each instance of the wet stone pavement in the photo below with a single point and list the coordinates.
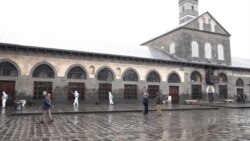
(213, 125)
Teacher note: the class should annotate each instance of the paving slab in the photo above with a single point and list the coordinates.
(195, 125)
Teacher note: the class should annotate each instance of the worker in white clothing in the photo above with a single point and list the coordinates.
(76, 94)
(4, 98)
(111, 98)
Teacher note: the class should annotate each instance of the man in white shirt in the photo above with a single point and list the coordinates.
(111, 98)
(76, 94)
(4, 98)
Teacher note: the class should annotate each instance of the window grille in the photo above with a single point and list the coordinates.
(152, 90)
(8, 69)
(196, 77)
(173, 78)
(105, 75)
(196, 92)
(130, 91)
(153, 77)
(130, 76)
(44, 71)
(76, 73)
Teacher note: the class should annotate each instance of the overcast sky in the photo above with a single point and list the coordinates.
(117, 21)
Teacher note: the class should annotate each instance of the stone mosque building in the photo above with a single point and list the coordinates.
(192, 61)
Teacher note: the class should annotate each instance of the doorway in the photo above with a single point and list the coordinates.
(104, 89)
(174, 93)
(79, 87)
(40, 87)
(9, 88)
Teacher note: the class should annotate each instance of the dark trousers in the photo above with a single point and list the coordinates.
(145, 111)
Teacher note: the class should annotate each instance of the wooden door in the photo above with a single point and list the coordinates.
(152, 90)
(174, 93)
(40, 87)
(9, 88)
(223, 91)
(130, 91)
(79, 87)
(104, 89)
(196, 92)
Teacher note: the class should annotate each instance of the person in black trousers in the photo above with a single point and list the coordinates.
(145, 103)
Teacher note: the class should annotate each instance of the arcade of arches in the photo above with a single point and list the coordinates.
(44, 75)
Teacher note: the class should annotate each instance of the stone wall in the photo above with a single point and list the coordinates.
(26, 63)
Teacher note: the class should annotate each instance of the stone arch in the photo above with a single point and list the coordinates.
(45, 63)
(239, 82)
(76, 65)
(102, 68)
(14, 64)
(174, 77)
(153, 71)
(196, 77)
(210, 89)
(195, 49)
(223, 78)
(131, 69)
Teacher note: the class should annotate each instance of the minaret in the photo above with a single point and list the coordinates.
(188, 10)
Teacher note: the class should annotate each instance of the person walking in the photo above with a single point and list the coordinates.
(46, 109)
(159, 102)
(4, 99)
(145, 103)
(111, 98)
(76, 94)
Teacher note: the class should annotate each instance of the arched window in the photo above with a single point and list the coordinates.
(172, 48)
(77, 73)
(201, 22)
(105, 75)
(239, 83)
(208, 51)
(223, 78)
(43, 71)
(220, 52)
(196, 77)
(195, 49)
(207, 18)
(153, 77)
(174, 78)
(130, 75)
(212, 23)
(8, 69)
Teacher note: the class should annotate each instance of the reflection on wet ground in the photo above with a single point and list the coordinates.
(212, 125)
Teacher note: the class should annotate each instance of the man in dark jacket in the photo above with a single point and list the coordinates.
(46, 112)
(159, 102)
(145, 103)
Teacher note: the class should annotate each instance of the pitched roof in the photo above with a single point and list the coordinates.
(181, 26)
(240, 62)
(91, 47)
